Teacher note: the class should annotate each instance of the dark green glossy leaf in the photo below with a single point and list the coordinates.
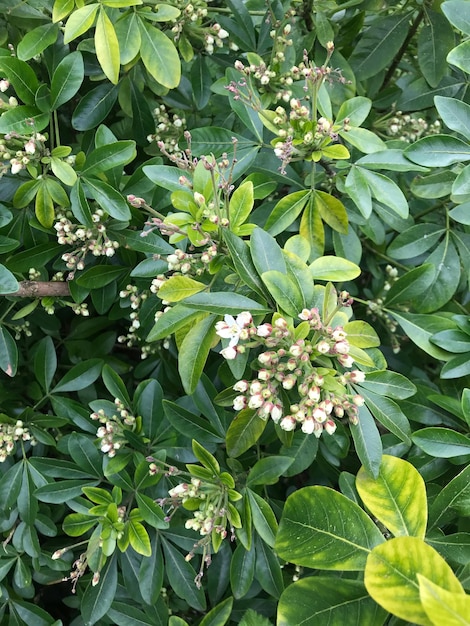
(97, 600)
(181, 577)
(8, 353)
(442, 442)
(244, 431)
(80, 376)
(67, 79)
(189, 424)
(242, 570)
(94, 107)
(45, 362)
(367, 441)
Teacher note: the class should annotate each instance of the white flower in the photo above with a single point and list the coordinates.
(30, 147)
(4, 85)
(288, 423)
(239, 403)
(230, 328)
(229, 353)
(330, 427)
(308, 426)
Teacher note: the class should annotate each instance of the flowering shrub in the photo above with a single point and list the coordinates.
(234, 333)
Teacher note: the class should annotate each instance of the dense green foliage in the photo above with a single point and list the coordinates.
(234, 328)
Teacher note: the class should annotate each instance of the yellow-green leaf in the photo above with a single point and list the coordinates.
(61, 9)
(159, 56)
(44, 206)
(397, 497)
(361, 334)
(337, 151)
(360, 356)
(391, 576)
(138, 538)
(334, 268)
(332, 211)
(444, 607)
(241, 204)
(107, 47)
(80, 21)
(63, 171)
(177, 288)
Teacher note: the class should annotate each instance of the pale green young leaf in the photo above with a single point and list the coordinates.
(241, 205)
(442, 606)
(80, 21)
(107, 47)
(336, 269)
(178, 288)
(159, 56)
(36, 40)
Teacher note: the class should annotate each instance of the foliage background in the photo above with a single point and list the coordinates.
(164, 166)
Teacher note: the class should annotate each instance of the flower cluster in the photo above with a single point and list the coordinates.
(9, 435)
(210, 502)
(114, 424)
(18, 151)
(407, 127)
(289, 388)
(84, 239)
(168, 128)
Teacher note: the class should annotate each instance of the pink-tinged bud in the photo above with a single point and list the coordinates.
(308, 426)
(346, 360)
(265, 358)
(306, 314)
(318, 380)
(241, 385)
(357, 376)
(264, 374)
(328, 406)
(280, 323)
(319, 415)
(296, 350)
(276, 413)
(57, 554)
(358, 400)
(341, 347)
(255, 387)
(338, 411)
(339, 334)
(265, 410)
(179, 490)
(289, 382)
(329, 426)
(323, 347)
(264, 330)
(244, 319)
(239, 403)
(314, 394)
(229, 353)
(288, 423)
(256, 401)
(96, 579)
(353, 417)
(199, 198)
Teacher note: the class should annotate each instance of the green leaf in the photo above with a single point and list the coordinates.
(456, 11)
(379, 44)
(107, 47)
(367, 441)
(224, 303)
(61, 9)
(189, 424)
(8, 283)
(459, 56)
(219, 615)
(397, 497)
(8, 351)
(62, 491)
(10, 486)
(411, 285)
(171, 321)
(442, 442)
(67, 79)
(94, 107)
(358, 189)
(128, 35)
(454, 548)
(389, 414)
(438, 151)
(442, 606)
(331, 532)
(243, 264)
(36, 41)
(387, 192)
(268, 470)
(242, 570)
(302, 450)
(444, 506)
(355, 109)
(23, 79)
(23, 120)
(45, 362)
(244, 431)
(80, 21)
(85, 454)
(195, 348)
(124, 614)
(177, 288)
(240, 205)
(286, 211)
(415, 241)
(205, 458)
(266, 253)
(151, 573)
(285, 292)
(310, 600)
(361, 334)
(108, 198)
(77, 524)
(391, 576)
(392, 384)
(332, 268)
(391, 159)
(159, 56)
(96, 601)
(79, 376)
(456, 367)
(446, 262)
(107, 157)
(435, 39)
(420, 328)
(181, 577)
(100, 276)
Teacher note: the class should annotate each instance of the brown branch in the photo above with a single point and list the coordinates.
(41, 289)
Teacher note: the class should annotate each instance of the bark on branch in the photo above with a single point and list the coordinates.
(41, 289)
